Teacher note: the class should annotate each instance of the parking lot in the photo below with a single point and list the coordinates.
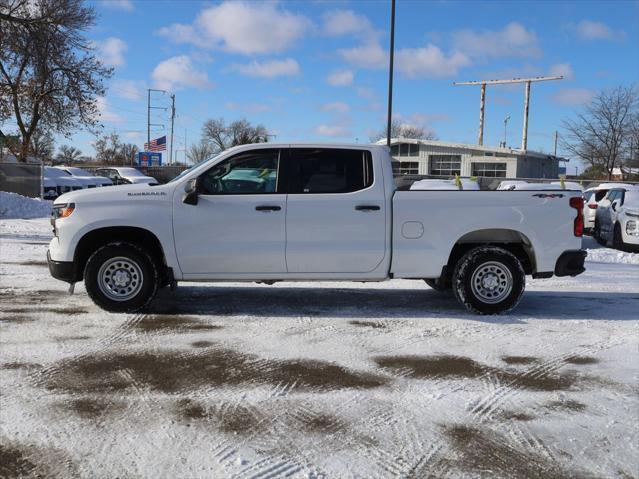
(317, 380)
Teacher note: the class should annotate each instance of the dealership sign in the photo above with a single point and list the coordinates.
(149, 158)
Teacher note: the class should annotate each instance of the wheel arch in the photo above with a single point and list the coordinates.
(511, 240)
(94, 239)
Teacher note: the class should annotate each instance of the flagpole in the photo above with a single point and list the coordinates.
(390, 75)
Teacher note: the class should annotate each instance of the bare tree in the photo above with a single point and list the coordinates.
(601, 134)
(41, 145)
(68, 154)
(49, 76)
(199, 152)
(220, 136)
(109, 150)
(400, 129)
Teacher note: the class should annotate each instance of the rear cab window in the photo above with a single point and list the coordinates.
(329, 170)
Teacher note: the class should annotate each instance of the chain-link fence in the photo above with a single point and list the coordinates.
(22, 178)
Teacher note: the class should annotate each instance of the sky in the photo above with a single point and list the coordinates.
(318, 70)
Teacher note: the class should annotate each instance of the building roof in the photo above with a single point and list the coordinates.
(465, 146)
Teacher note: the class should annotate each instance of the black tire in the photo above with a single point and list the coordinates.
(502, 285)
(112, 292)
(438, 284)
(617, 239)
(597, 234)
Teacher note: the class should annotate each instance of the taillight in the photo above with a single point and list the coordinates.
(593, 206)
(578, 203)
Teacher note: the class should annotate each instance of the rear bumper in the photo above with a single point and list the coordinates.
(571, 263)
(62, 270)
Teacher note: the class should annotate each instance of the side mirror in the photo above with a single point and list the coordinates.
(614, 205)
(191, 192)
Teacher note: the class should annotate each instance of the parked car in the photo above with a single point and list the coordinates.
(63, 182)
(335, 214)
(83, 175)
(568, 185)
(592, 198)
(49, 189)
(617, 219)
(512, 185)
(437, 184)
(121, 175)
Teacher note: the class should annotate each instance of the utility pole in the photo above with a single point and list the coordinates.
(483, 83)
(390, 75)
(482, 106)
(149, 107)
(172, 121)
(556, 135)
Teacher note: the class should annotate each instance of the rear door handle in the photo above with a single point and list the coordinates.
(268, 208)
(367, 208)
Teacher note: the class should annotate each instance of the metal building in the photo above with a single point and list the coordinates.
(428, 157)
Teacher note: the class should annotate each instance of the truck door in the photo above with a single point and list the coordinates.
(238, 224)
(336, 212)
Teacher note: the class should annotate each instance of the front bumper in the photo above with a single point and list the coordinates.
(62, 270)
(571, 263)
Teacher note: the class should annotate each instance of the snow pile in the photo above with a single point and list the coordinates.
(608, 255)
(13, 205)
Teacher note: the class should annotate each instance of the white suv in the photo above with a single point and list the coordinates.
(617, 220)
(593, 198)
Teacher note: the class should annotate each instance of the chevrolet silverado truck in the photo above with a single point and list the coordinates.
(270, 212)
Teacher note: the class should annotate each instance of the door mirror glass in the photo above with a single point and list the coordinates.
(191, 192)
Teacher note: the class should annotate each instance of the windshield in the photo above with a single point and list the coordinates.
(77, 171)
(631, 199)
(130, 172)
(54, 172)
(191, 168)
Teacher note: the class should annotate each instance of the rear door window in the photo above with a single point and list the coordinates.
(600, 195)
(329, 170)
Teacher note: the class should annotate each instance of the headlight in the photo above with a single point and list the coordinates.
(61, 211)
(631, 228)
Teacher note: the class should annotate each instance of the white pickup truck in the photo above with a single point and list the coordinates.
(272, 212)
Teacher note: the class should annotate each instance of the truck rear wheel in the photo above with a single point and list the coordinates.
(121, 277)
(489, 280)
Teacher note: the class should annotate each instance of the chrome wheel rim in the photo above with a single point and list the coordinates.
(491, 282)
(120, 278)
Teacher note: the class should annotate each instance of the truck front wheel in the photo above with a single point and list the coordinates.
(489, 280)
(121, 277)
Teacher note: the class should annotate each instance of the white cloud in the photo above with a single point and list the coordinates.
(368, 55)
(178, 72)
(126, 5)
(250, 108)
(346, 22)
(429, 62)
(242, 27)
(269, 69)
(133, 135)
(105, 113)
(340, 78)
(337, 107)
(573, 96)
(513, 41)
(334, 131)
(128, 89)
(590, 30)
(562, 69)
(111, 51)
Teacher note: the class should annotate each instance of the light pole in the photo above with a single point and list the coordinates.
(390, 75)
(506, 129)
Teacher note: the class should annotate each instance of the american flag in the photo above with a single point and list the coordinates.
(158, 144)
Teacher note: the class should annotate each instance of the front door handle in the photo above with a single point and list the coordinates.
(268, 208)
(367, 208)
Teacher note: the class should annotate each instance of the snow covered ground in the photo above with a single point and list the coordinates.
(317, 380)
